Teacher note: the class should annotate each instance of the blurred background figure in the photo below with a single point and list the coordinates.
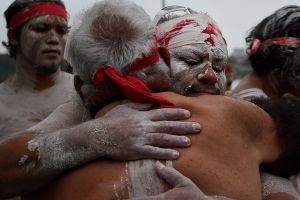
(273, 48)
(274, 54)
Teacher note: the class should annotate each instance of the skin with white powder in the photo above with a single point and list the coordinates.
(38, 87)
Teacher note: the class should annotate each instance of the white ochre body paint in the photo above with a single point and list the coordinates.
(139, 179)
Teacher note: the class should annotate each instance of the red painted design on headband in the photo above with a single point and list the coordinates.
(132, 87)
(212, 30)
(164, 41)
(36, 10)
(284, 41)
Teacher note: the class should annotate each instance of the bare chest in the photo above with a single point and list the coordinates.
(22, 109)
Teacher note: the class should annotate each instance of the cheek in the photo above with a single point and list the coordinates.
(31, 43)
(63, 40)
(177, 66)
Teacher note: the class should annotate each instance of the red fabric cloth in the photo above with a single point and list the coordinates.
(285, 41)
(36, 10)
(132, 87)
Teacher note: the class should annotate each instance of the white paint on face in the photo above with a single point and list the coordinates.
(41, 44)
(197, 61)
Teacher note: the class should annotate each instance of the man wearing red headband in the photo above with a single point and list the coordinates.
(37, 32)
(223, 161)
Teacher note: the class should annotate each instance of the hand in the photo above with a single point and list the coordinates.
(184, 188)
(132, 132)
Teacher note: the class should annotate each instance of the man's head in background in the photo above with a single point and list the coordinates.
(36, 33)
(274, 49)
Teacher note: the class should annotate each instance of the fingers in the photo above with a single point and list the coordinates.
(169, 114)
(138, 106)
(176, 127)
(166, 140)
(172, 176)
(159, 197)
(151, 152)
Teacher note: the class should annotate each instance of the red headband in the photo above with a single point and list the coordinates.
(36, 11)
(132, 87)
(285, 41)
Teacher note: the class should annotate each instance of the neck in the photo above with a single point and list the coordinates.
(268, 83)
(26, 76)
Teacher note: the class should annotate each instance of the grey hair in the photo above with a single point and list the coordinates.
(111, 32)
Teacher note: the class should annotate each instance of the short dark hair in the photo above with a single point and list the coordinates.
(283, 22)
(14, 8)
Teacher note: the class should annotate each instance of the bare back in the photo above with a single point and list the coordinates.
(223, 160)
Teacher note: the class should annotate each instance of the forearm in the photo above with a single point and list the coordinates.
(31, 159)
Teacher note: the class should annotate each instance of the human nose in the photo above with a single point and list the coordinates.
(52, 37)
(208, 76)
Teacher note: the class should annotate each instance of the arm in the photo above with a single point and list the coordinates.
(130, 131)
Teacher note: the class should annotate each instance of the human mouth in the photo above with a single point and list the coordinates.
(51, 52)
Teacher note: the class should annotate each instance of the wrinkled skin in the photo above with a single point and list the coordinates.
(198, 69)
(140, 135)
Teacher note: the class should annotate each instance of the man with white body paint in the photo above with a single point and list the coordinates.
(217, 161)
(38, 86)
(273, 187)
(36, 38)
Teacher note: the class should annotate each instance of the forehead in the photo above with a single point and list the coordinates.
(190, 30)
(48, 19)
(198, 50)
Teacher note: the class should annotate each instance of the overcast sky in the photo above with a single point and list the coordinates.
(234, 17)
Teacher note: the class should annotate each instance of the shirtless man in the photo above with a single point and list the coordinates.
(38, 86)
(222, 167)
(36, 38)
